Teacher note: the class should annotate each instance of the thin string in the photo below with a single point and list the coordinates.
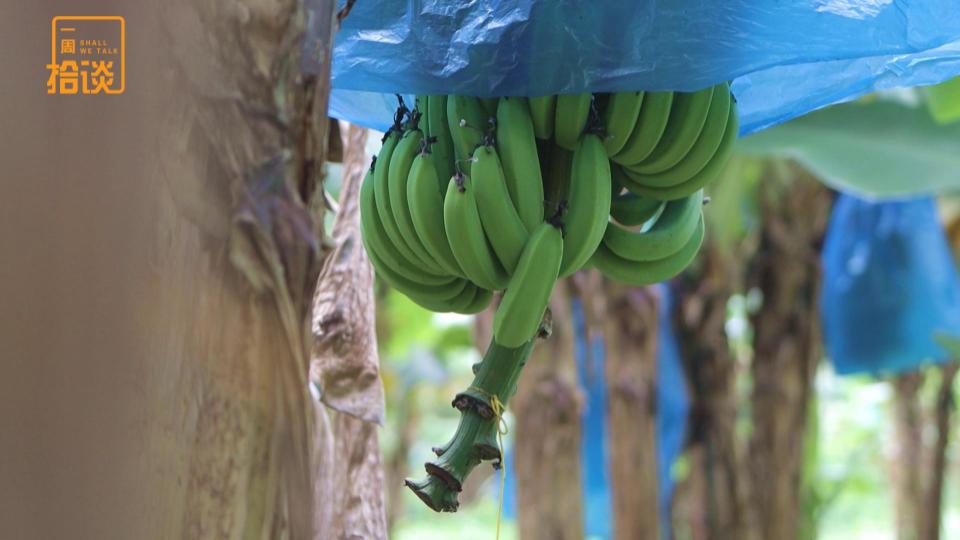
(502, 429)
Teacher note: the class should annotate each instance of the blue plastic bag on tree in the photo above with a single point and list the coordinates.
(673, 406)
(594, 428)
(785, 58)
(889, 286)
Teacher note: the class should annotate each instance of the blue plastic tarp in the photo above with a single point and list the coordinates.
(889, 285)
(673, 407)
(785, 58)
(594, 429)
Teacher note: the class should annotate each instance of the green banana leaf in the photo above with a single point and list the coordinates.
(875, 149)
(943, 100)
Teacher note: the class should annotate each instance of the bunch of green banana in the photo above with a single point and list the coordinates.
(469, 196)
(681, 142)
(656, 254)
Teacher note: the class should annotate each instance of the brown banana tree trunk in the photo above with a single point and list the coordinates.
(918, 463)
(794, 209)
(942, 416)
(546, 409)
(186, 218)
(631, 370)
(712, 503)
(907, 455)
(188, 204)
(397, 465)
(240, 154)
(626, 318)
(345, 367)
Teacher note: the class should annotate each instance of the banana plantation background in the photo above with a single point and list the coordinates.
(769, 441)
(776, 444)
(271, 387)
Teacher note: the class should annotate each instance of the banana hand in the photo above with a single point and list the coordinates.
(518, 316)
(517, 148)
(646, 273)
(589, 203)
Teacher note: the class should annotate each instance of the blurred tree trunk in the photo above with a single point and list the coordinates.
(626, 319)
(918, 463)
(547, 435)
(345, 366)
(631, 370)
(397, 467)
(713, 500)
(406, 414)
(942, 413)
(794, 209)
(907, 454)
(237, 259)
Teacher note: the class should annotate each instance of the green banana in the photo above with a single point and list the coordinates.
(709, 172)
(619, 118)
(589, 203)
(426, 211)
(381, 175)
(651, 123)
(465, 303)
(646, 273)
(400, 163)
(687, 116)
(441, 298)
(420, 106)
(542, 110)
(556, 184)
(616, 188)
(469, 244)
(518, 316)
(703, 149)
(480, 301)
(466, 299)
(381, 179)
(376, 239)
(455, 304)
(489, 105)
(668, 234)
(570, 118)
(442, 147)
(432, 292)
(631, 210)
(502, 224)
(517, 148)
(468, 123)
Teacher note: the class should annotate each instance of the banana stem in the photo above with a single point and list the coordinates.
(476, 437)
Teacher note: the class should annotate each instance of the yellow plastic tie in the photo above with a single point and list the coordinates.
(502, 429)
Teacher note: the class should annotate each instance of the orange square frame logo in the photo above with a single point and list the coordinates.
(87, 55)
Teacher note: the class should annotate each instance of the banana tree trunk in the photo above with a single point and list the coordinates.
(712, 503)
(346, 369)
(794, 209)
(631, 369)
(173, 247)
(942, 413)
(397, 467)
(240, 155)
(546, 409)
(918, 463)
(907, 454)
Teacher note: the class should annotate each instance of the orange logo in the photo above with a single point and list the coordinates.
(87, 55)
